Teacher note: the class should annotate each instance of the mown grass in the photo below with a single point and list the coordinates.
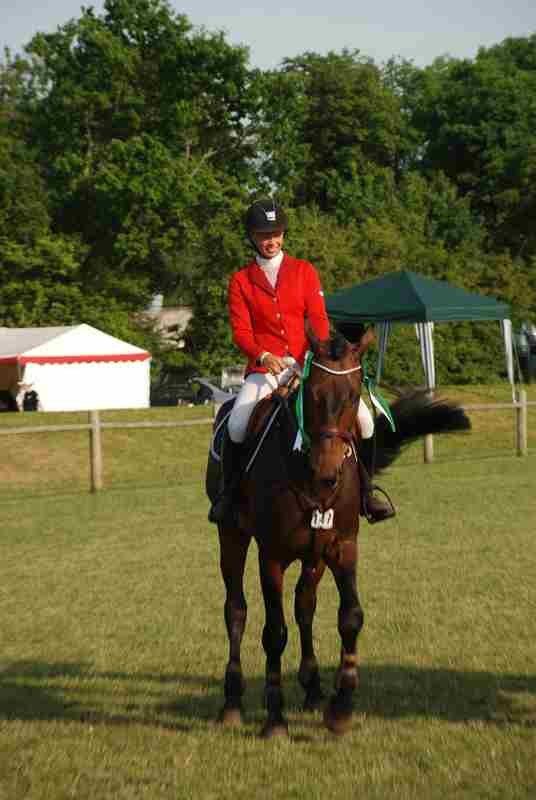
(113, 644)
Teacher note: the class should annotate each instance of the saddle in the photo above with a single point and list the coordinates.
(263, 417)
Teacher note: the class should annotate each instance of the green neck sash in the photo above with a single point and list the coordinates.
(305, 442)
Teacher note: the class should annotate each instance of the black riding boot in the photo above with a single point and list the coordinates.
(374, 508)
(231, 474)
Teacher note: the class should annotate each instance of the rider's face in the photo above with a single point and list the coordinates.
(268, 244)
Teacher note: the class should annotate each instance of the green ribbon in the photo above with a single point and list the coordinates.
(379, 402)
(306, 442)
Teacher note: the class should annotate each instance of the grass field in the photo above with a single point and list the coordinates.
(113, 646)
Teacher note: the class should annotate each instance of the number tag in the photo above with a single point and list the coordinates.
(322, 520)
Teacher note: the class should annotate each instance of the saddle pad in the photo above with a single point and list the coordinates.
(218, 436)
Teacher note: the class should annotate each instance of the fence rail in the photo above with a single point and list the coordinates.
(95, 426)
(86, 426)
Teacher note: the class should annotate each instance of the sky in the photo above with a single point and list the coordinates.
(411, 29)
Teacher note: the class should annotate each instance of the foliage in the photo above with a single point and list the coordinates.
(131, 144)
(478, 120)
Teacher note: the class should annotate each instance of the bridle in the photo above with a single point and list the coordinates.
(335, 371)
(335, 433)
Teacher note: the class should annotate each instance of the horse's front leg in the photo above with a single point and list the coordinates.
(304, 611)
(274, 640)
(233, 551)
(338, 713)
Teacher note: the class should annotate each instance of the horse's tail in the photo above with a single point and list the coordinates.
(415, 414)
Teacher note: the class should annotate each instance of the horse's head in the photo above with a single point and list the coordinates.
(331, 399)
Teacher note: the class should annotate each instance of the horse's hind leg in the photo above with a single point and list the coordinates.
(304, 611)
(338, 713)
(233, 551)
(274, 640)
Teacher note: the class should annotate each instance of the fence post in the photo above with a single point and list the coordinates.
(95, 451)
(428, 447)
(521, 423)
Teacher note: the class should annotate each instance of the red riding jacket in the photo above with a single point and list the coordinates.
(267, 319)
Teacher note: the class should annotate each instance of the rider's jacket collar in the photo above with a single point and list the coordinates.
(267, 263)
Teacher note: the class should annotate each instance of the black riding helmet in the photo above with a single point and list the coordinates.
(265, 216)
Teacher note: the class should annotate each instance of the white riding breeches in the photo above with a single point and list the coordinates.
(260, 384)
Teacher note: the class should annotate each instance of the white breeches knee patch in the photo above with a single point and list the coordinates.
(366, 423)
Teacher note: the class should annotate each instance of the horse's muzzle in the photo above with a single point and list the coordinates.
(327, 470)
(328, 455)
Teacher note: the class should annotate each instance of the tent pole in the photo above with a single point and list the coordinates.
(425, 335)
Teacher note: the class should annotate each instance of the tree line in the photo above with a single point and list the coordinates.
(131, 143)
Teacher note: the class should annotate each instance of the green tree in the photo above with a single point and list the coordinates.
(132, 113)
(134, 128)
(478, 120)
(329, 127)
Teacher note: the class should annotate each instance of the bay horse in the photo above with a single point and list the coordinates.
(303, 505)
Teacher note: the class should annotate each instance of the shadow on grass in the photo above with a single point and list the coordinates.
(31, 691)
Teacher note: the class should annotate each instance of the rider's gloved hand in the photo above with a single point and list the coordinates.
(274, 364)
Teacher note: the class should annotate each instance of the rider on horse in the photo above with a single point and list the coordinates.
(269, 300)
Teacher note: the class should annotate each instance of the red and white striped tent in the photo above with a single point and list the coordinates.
(75, 368)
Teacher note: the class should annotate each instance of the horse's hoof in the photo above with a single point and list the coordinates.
(337, 722)
(274, 730)
(230, 717)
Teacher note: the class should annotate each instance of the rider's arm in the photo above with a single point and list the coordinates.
(315, 307)
(243, 334)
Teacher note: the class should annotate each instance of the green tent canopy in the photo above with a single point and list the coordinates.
(411, 298)
(408, 297)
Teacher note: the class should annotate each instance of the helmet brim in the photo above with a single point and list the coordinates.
(268, 229)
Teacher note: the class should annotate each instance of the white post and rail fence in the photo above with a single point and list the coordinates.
(95, 426)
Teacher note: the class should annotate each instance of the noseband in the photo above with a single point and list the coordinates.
(335, 433)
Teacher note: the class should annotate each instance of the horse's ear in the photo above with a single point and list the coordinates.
(364, 343)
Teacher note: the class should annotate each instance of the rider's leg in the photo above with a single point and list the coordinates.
(230, 466)
(374, 508)
(256, 386)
